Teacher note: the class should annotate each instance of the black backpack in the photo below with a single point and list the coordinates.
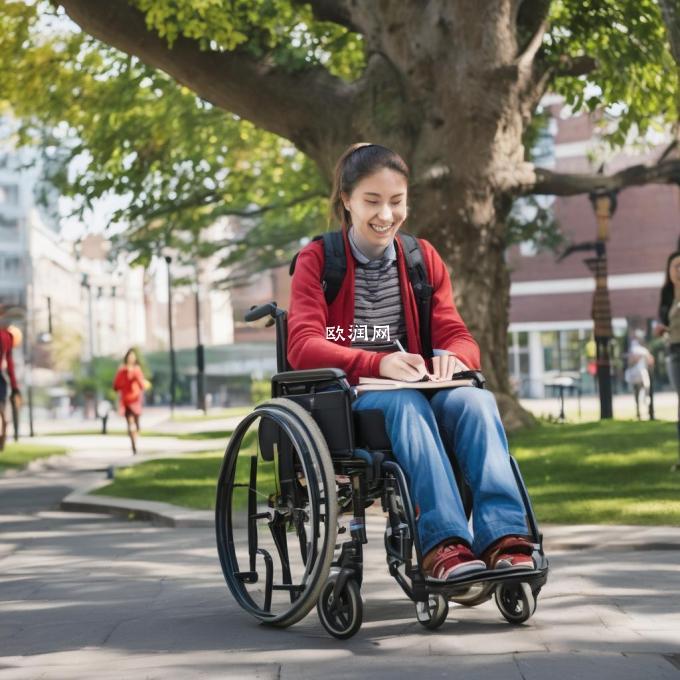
(335, 268)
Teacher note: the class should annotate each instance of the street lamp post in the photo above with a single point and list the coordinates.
(200, 353)
(604, 204)
(173, 367)
(85, 283)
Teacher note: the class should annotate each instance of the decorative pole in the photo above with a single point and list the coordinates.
(604, 204)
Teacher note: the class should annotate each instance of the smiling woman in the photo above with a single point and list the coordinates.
(369, 199)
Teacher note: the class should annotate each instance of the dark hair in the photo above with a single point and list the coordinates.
(357, 162)
(668, 291)
(127, 354)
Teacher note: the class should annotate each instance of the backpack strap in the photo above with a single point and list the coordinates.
(335, 264)
(422, 288)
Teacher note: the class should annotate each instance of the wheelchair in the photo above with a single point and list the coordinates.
(302, 461)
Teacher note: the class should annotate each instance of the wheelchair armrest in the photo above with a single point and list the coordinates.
(478, 379)
(308, 378)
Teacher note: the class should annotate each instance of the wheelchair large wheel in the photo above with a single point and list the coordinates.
(276, 512)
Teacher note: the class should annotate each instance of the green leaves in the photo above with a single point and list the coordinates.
(283, 32)
(635, 81)
(110, 126)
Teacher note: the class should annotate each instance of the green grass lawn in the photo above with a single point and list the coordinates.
(216, 414)
(17, 454)
(613, 472)
(189, 480)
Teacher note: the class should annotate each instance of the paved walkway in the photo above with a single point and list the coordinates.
(87, 596)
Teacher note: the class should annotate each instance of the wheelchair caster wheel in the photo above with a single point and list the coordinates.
(516, 601)
(341, 616)
(432, 613)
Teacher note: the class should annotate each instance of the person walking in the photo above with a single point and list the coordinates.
(130, 384)
(10, 337)
(669, 314)
(639, 360)
(370, 201)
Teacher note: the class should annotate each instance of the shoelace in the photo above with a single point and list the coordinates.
(449, 551)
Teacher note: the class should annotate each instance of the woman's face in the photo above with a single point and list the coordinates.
(674, 271)
(377, 206)
(131, 359)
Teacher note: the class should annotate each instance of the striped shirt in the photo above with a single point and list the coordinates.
(377, 300)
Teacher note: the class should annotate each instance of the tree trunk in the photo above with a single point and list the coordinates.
(459, 124)
(467, 229)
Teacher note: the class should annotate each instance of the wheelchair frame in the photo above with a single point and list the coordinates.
(314, 409)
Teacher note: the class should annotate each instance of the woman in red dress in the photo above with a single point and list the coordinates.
(130, 384)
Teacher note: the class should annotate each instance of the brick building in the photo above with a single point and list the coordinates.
(550, 324)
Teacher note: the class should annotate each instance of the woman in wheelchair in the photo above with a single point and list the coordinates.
(321, 448)
(376, 307)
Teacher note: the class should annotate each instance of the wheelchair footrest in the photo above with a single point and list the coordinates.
(531, 576)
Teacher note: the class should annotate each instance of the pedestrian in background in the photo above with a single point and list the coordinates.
(130, 384)
(669, 314)
(10, 337)
(639, 361)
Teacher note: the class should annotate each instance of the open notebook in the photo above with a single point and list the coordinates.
(370, 384)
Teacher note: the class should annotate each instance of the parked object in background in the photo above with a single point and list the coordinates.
(561, 383)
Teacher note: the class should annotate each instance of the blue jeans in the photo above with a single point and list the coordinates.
(423, 433)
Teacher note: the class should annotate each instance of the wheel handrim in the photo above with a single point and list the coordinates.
(309, 525)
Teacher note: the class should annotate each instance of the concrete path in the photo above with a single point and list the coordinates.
(87, 596)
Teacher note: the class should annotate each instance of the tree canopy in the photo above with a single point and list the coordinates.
(111, 124)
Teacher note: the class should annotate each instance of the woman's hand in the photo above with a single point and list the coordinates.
(403, 366)
(445, 365)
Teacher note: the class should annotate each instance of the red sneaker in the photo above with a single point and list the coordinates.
(510, 552)
(449, 561)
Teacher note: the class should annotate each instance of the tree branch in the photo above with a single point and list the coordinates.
(307, 107)
(566, 184)
(335, 11)
(671, 18)
(531, 21)
(543, 75)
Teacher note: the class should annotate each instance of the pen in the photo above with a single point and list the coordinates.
(426, 377)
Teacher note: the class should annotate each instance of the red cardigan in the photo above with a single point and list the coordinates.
(309, 316)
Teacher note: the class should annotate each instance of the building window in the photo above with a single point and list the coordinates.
(8, 227)
(9, 194)
(518, 361)
(562, 351)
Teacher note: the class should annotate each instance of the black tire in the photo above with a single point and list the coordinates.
(516, 602)
(286, 579)
(432, 613)
(341, 617)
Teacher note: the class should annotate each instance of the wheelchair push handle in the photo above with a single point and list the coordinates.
(260, 311)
